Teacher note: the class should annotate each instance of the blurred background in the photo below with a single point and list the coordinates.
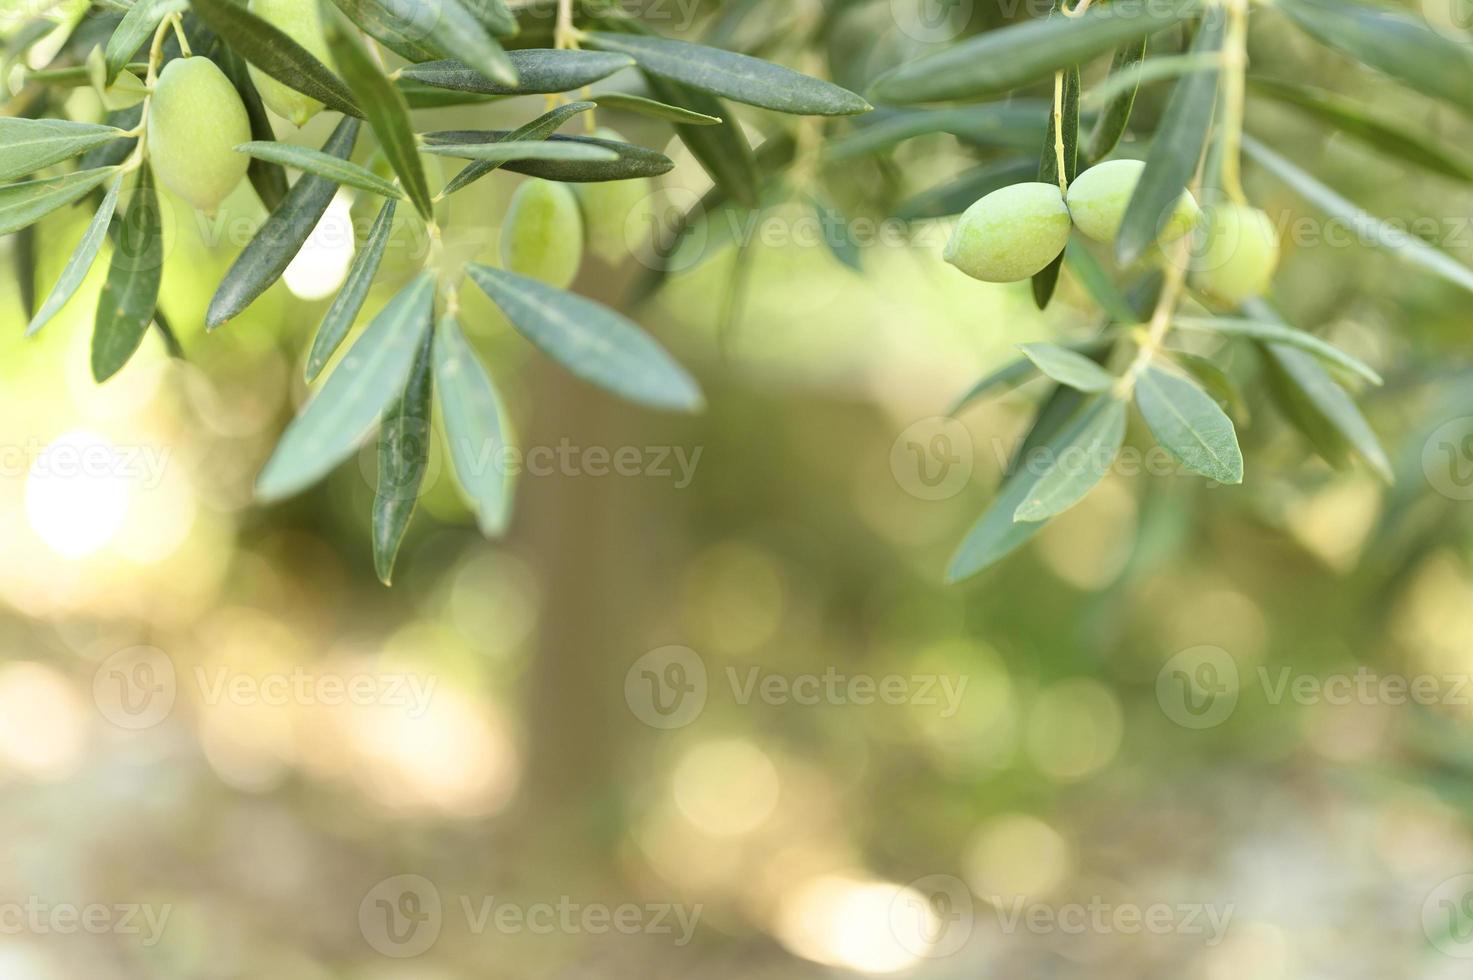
(712, 711)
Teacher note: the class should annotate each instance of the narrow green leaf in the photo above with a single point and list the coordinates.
(29, 145)
(733, 76)
(1068, 367)
(1010, 57)
(723, 151)
(834, 227)
(444, 29)
(1126, 83)
(285, 231)
(276, 54)
(1044, 282)
(506, 150)
(964, 190)
(495, 16)
(1217, 382)
(1369, 228)
(385, 110)
(1389, 136)
(1098, 282)
(1019, 124)
(382, 22)
(126, 306)
(592, 341)
(1189, 425)
(1115, 116)
(1320, 409)
(349, 300)
(1083, 454)
(639, 105)
(420, 96)
(403, 454)
(31, 200)
(539, 71)
(540, 128)
(322, 164)
(1176, 149)
(474, 428)
(1281, 333)
(1393, 41)
(371, 375)
(81, 261)
(269, 179)
(1023, 369)
(134, 30)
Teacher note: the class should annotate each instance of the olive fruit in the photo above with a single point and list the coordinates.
(542, 236)
(1098, 198)
(1011, 233)
(614, 211)
(1236, 253)
(301, 20)
(195, 122)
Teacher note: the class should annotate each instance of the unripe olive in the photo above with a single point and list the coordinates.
(1236, 253)
(542, 236)
(614, 211)
(301, 20)
(195, 122)
(1099, 196)
(1011, 233)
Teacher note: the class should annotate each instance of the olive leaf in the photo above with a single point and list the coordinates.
(275, 53)
(1189, 425)
(134, 30)
(282, 236)
(1001, 60)
(384, 107)
(269, 179)
(130, 294)
(29, 201)
(503, 151)
(1218, 383)
(592, 341)
(1019, 124)
(738, 77)
(1367, 227)
(540, 128)
(1084, 452)
(446, 27)
(1281, 333)
(1023, 369)
(639, 105)
(495, 16)
(372, 374)
(1128, 82)
(961, 192)
(834, 227)
(29, 145)
(474, 427)
(321, 164)
(723, 150)
(349, 300)
(386, 23)
(1394, 42)
(403, 455)
(577, 159)
(538, 71)
(1068, 367)
(1176, 149)
(1098, 283)
(83, 256)
(1113, 119)
(1320, 409)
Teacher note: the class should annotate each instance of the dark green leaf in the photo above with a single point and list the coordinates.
(29, 145)
(385, 22)
(1098, 283)
(723, 151)
(322, 164)
(592, 341)
(504, 151)
(1023, 369)
(1068, 367)
(639, 105)
(1320, 409)
(961, 192)
(1110, 125)
(277, 242)
(539, 71)
(1083, 454)
(31, 200)
(1160, 69)
(474, 428)
(1020, 124)
(834, 227)
(540, 128)
(1175, 151)
(276, 54)
(577, 159)
(420, 96)
(1393, 41)
(1044, 282)
(494, 15)
(403, 454)
(1004, 59)
(1281, 333)
(81, 261)
(372, 374)
(1189, 425)
(134, 30)
(442, 29)
(126, 306)
(1218, 383)
(733, 76)
(349, 300)
(385, 110)
(267, 178)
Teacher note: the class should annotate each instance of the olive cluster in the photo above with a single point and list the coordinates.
(1017, 231)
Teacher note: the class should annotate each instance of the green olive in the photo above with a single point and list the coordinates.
(195, 122)
(542, 236)
(1098, 198)
(1236, 253)
(301, 20)
(615, 212)
(1010, 234)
